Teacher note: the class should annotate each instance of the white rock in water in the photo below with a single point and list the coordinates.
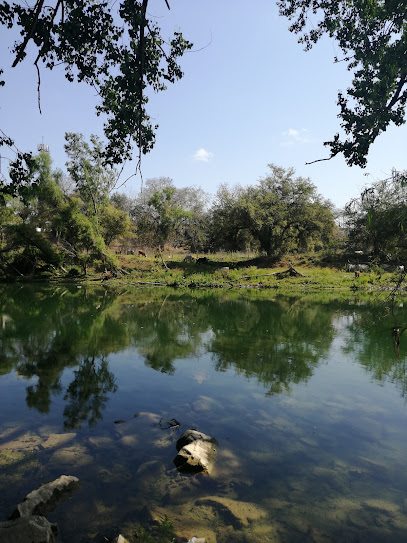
(196, 452)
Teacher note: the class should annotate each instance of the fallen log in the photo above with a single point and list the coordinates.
(291, 272)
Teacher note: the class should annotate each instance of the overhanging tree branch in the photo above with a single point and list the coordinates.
(397, 96)
(21, 49)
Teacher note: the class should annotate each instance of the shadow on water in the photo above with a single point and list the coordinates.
(311, 448)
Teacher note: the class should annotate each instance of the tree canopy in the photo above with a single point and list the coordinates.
(372, 37)
(178, 213)
(43, 226)
(94, 181)
(280, 214)
(115, 48)
(120, 50)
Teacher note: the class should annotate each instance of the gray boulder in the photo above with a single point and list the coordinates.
(46, 497)
(33, 529)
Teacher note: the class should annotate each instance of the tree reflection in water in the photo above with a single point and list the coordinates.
(372, 341)
(87, 394)
(329, 446)
(277, 341)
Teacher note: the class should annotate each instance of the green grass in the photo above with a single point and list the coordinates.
(244, 271)
(244, 274)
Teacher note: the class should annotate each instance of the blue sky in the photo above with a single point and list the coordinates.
(250, 96)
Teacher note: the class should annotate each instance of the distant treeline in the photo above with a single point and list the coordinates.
(50, 220)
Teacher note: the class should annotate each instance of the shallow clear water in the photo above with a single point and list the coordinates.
(305, 395)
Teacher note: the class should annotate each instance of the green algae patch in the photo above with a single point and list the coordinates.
(11, 458)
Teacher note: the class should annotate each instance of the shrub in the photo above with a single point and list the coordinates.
(74, 271)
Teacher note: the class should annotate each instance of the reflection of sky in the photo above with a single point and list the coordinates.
(337, 424)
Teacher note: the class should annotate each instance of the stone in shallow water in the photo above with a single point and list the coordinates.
(33, 529)
(26, 442)
(188, 521)
(57, 440)
(46, 497)
(196, 452)
(234, 512)
(196, 457)
(70, 457)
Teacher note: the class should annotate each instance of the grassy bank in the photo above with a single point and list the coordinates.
(231, 271)
(236, 271)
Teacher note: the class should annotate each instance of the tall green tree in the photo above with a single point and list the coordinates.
(45, 195)
(190, 203)
(282, 213)
(92, 178)
(166, 215)
(28, 229)
(228, 227)
(372, 37)
(57, 226)
(115, 223)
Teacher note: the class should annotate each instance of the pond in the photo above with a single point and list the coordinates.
(304, 394)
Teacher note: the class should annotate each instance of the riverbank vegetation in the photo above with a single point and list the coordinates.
(276, 232)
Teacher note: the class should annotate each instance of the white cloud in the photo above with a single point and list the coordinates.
(292, 132)
(202, 155)
(293, 136)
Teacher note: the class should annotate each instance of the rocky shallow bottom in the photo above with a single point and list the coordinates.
(128, 478)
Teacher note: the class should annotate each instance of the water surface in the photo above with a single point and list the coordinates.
(305, 395)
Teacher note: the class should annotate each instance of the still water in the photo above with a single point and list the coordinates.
(305, 395)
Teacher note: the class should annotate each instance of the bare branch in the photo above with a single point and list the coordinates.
(38, 83)
(201, 48)
(319, 160)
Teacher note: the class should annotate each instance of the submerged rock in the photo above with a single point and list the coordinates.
(196, 452)
(236, 513)
(35, 529)
(188, 521)
(46, 497)
(70, 457)
(57, 440)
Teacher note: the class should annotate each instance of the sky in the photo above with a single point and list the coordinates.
(250, 96)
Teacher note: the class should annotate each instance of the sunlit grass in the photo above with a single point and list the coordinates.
(236, 271)
(219, 272)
